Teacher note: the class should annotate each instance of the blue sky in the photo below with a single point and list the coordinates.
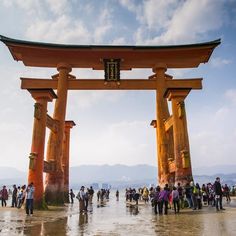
(113, 127)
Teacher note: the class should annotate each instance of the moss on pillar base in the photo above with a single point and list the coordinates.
(54, 198)
(41, 205)
(54, 190)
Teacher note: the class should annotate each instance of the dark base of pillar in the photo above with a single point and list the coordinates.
(66, 197)
(40, 204)
(183, 180)
(173, 180)
(54, 189)
(54, 198)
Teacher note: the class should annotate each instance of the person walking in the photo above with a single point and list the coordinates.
(164, 199)
(211, 194)
(218, 194)
(29, 199)
(188, 195)
(198, 196)
(98, 195)
(145, 195)
(91, 193)
(175, 199)
(22, 196)
(19, 194)
(14, 196)
(193, 193)
(204, 194)
(227, 193)
(4, 196)
(117, 195)
(72, 195)
(81, 197)
(86, 200)
(181, 195)
(156, 199)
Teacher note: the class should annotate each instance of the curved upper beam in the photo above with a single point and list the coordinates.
(90, 56)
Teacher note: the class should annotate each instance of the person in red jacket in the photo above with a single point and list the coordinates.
(4, 196)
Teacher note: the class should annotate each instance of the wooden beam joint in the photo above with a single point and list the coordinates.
(52, 124)
(168, 123)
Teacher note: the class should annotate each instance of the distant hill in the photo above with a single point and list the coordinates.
(112, 173)
(140, 175)
(10, 176)
(214, 169)
(122, 175)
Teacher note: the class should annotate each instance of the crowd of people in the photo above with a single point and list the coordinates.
(20, 195)
(85, 197)
(176, 197)
(103, 194)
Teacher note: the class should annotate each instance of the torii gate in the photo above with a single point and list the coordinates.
(173, 153)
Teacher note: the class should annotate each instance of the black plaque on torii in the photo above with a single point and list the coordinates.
(112, 70)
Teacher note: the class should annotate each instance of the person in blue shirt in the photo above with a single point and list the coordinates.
(29, 199)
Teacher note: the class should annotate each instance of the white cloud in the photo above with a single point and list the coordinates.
(219, 62)
(131, 5)
(119, 41)
(222, 114)
(58, 6)
(26, 4)
(65, 28)
(157, 14)
(212, 133)
(86, 99)
(104, 25)
(189, 22)
(39, 7)
(178, 73)
(123, 143)
(62, 30)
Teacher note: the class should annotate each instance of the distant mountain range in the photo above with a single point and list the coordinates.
(214, 169)
(120, 176)
(112, 173)
(10, 175)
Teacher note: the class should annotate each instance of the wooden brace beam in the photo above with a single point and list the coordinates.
(168, 123)
(99, 84)
(52, 124)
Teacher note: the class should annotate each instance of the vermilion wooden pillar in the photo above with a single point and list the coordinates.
(54, 190)
(162, 114)
(35, 175)
(183, 170)
(66, 157)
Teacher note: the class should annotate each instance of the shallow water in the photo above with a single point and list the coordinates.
(114, 218)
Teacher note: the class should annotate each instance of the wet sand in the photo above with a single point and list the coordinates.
(113, 218)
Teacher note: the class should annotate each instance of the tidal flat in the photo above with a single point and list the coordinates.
(113, 218)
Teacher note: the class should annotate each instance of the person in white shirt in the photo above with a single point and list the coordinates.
(81, 197)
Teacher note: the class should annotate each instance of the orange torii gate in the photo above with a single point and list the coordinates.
(173, 153)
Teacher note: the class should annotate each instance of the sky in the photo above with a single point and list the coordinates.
(113, 127)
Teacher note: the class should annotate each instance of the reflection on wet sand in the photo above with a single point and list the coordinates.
(115, 218)
(133, 210)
